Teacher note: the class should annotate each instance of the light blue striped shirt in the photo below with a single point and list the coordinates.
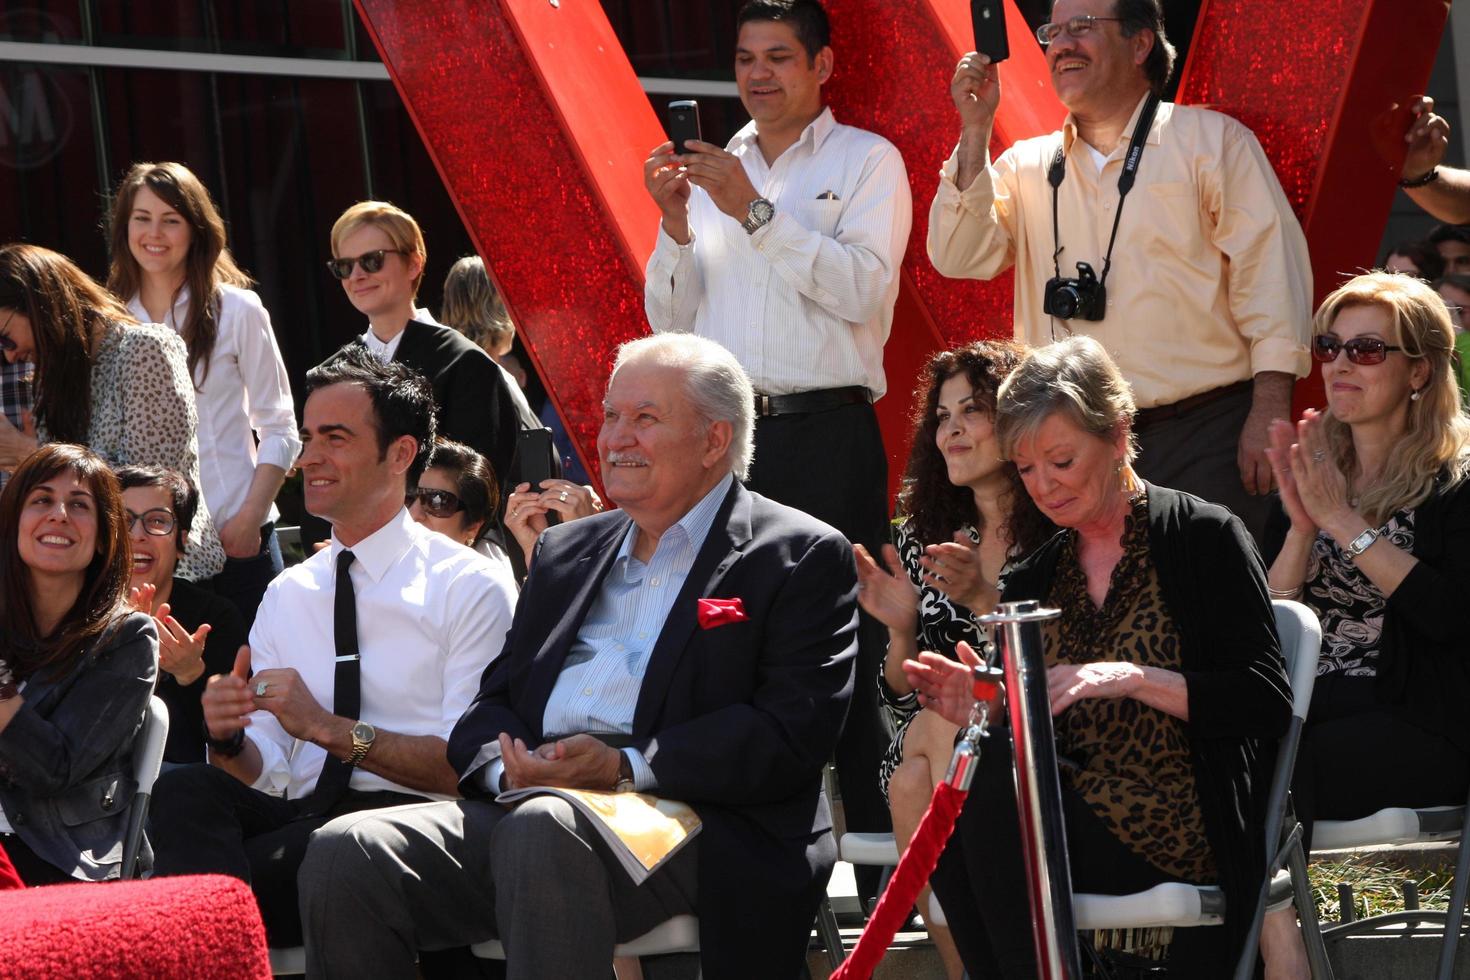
(597, 690)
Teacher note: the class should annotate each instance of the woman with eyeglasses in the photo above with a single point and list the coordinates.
(199, 632)
(457, 496)
(101, 380)
(167, 242)
(76, 669)
(1373, 534)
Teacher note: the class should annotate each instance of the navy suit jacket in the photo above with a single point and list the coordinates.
(735, 720)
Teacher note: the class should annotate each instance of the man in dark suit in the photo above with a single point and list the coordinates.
(731, 706)
(379, 255)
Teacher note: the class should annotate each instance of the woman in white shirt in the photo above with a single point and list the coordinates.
(167, 242)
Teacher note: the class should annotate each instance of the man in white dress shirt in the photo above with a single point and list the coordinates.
(785, 248)
(364, 655)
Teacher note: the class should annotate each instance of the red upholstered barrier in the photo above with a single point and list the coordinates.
(199, 927)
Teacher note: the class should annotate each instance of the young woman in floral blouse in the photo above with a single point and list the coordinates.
(102, 380)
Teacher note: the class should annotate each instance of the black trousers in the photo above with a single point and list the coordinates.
(832, 465)
(205, 821)
(981, 876)
(33, 869)
(1358, 756)
(1196, 452)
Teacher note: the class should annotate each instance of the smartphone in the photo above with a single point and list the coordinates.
(989, 20)
(534, 452)
(683, 122)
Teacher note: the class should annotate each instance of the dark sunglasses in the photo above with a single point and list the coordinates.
(1360, 350)
(437, 503)
(371, 262)
(157, 522)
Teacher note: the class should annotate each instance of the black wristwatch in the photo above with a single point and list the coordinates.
(226, 748)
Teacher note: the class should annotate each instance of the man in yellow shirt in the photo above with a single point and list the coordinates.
(1207, 305)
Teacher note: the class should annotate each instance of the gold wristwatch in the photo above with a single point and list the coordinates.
(363, 735)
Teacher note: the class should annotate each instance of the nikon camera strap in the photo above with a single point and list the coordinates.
(1057, 172)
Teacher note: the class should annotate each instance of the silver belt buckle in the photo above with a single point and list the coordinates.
(762, 404)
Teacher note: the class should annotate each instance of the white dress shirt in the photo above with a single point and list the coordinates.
(431, 614)
(385, 349)
(602, 676)
(807, 301)
(245, 395)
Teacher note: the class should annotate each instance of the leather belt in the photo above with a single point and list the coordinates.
(1162, 413)
(808, 402)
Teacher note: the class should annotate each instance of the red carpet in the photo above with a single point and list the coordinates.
(199, 928)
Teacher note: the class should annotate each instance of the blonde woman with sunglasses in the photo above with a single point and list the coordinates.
(170, 265)
(1373, 534)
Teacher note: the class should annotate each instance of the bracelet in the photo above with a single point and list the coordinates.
(1421, 180)
(225, 748)
(1284, 593)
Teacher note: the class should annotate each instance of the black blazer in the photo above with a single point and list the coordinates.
(475, 407)
(736, 720)
(1422, 663)
(66, 758)
(1214, 585)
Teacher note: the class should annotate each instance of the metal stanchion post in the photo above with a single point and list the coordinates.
(1038, 788)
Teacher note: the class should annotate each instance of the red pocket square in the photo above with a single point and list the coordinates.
(720, 612)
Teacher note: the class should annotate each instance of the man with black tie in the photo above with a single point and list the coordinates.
(364, 655)
(618, 677)
(379, 256)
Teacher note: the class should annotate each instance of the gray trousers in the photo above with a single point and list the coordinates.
(376, 886)
(1196, 452)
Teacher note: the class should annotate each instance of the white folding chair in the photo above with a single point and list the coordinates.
(147, 761)
(1183, 906)
(679, 934)
(1391, 826)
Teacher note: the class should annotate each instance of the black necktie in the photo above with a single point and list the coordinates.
(347, 690)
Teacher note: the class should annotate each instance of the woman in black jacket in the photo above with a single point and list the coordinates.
(1373, 534)
(1165, 675)
(77, 667)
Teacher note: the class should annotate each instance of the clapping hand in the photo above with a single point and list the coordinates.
(180, 652)
(954, 569)
(1282, 435)
(945, 686)
(1321, 487)
(887, 595)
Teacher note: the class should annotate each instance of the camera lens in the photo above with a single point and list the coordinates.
(1064, 302)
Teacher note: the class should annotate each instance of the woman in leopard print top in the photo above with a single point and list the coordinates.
(102, 380)
(1164, 674)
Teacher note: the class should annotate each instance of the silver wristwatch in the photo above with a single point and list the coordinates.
(758, 215)
(1361, 543)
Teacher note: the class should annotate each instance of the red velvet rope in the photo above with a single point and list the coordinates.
(8, 877)
(908, 880)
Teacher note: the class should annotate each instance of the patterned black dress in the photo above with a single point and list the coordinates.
(942, 625)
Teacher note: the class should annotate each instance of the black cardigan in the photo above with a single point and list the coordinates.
(1214, 585)
(1422, 654)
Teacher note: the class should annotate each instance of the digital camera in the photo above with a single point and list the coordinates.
(1083, 298)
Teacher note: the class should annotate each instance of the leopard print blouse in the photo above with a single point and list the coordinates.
(143, 413)
(1130, 761)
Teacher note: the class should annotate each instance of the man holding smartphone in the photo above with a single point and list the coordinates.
(1203, 299)
(785, 247)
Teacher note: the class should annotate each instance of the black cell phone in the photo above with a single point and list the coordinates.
(989, 20)
(534, 453)
(683, 122)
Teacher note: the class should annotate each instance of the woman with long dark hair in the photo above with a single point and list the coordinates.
(963, 516)
(77, 666)
(102, 380)
(171, 265)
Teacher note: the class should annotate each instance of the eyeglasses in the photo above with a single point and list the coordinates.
(437, 503)
(371, 262)
(157, 522)
(1360, 350)
(1075, 27)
